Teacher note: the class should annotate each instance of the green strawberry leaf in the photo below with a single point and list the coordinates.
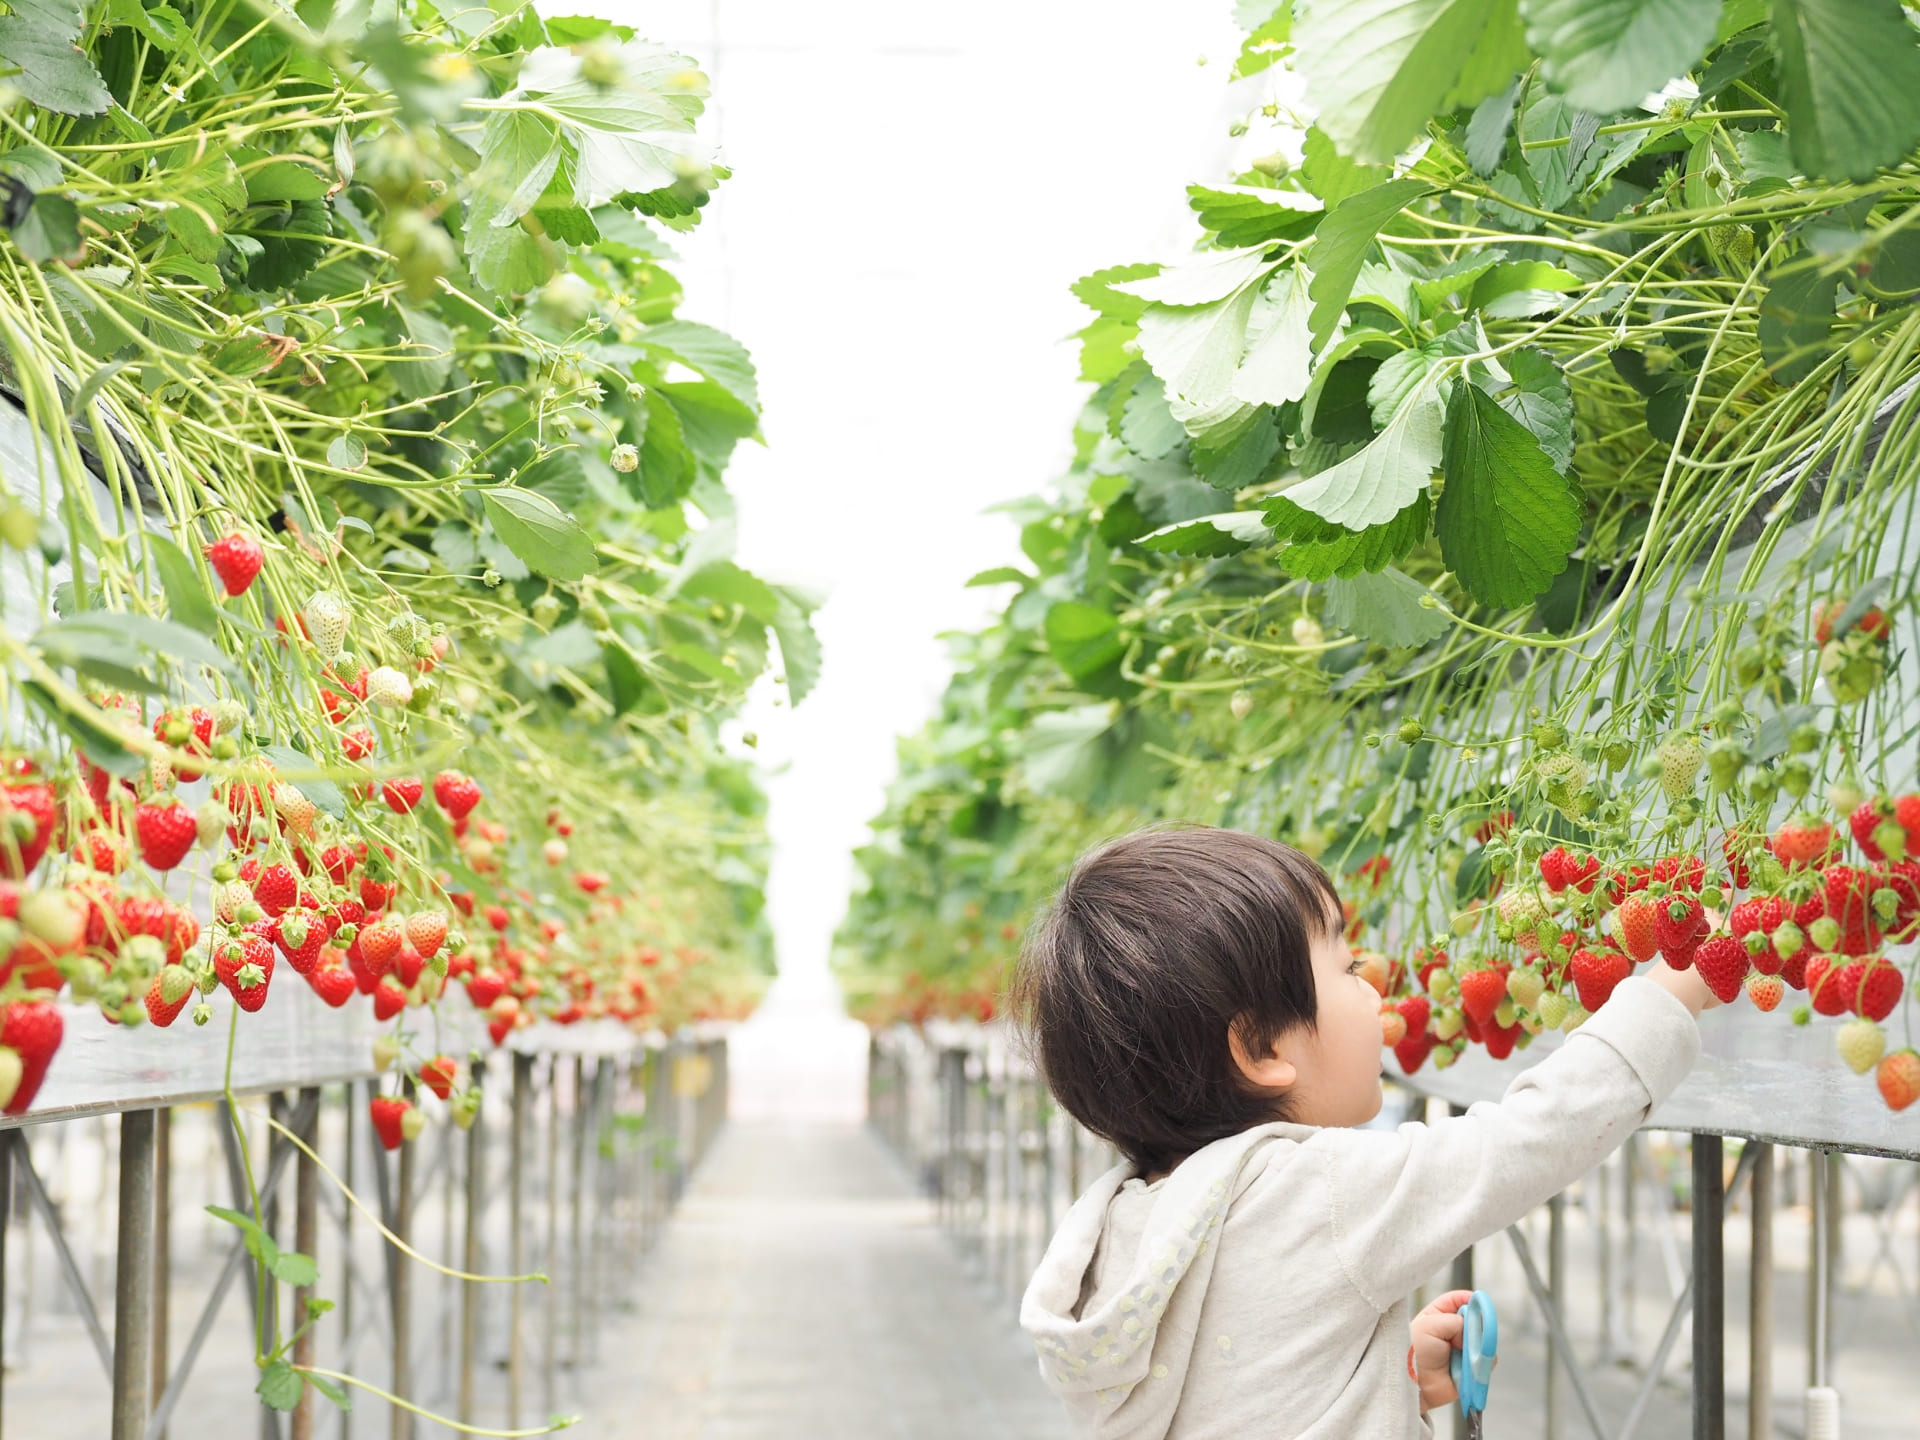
(280, 1385)
(1211, 535)
(1850, 77)
(188, 602)
(1507, 518)
(1377, 70)
(1603, 55)
(1083, 639)
(1341, 244)
(1386, 608)
(39, 43)
(545, 538)
(1381, 480)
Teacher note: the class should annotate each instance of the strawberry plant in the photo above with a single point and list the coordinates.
(1510, 502)
(367, 544)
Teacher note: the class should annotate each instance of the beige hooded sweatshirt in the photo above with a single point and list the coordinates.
(1261, 1289)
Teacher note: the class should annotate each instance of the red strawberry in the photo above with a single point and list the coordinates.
(1773, 914)
(1802, 841)
(407, 965)
(1723, 963)
(1765, 991)
(497, 917)
(1416, 1010)
(1596, 973)
(1680, 924)
(388, 1000)
(1845, 888)
(276, 889)
(403, 794)
(1481, 992)
(302, 938)
(499, 1027)
(438, 1075)
(168, 995)
(1824, 987)
(33, 1032)
(333, 984)
(1411, 1050)
(426, 932)
(389, 1113)
(357, 744)
(101, 850)
(1553, 869)
(1899, 1079)
(165, 832)
(338, 861)
(236, 559)
(1906, 814)
(26, 827)
(1867, 818)
(1744, 918)
(379, 944)
(345, 912)
(231, 959)
(1793, 969)
(1877, 991)
(374, 894)
(456, 793)
(191, 734)
(1636, 926)
(1873, 624)
(485, 987)
(1500, 1039)
(1735, 849)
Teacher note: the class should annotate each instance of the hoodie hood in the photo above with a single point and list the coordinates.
(1099, 1335)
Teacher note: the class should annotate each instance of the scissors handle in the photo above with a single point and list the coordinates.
(1472, 1363)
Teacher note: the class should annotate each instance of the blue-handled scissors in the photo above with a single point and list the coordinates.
(1473, 1362)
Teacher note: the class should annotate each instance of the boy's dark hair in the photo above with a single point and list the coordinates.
(1158, 943)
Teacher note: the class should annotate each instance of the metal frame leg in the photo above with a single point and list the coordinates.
(516, 1207)
(133, 1278)
(162, 1250)
(1760, 1298)
(306, 1240)
(1709, 1290)
(402, 1282)
(470, 1258)
(1556, 1396)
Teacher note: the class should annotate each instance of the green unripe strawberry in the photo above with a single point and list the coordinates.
(1788, 940)
(1679, 756)
(1824, 932)
(1724, 761)
(1796, 778)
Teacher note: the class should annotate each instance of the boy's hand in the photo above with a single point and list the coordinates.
(1436, 1335)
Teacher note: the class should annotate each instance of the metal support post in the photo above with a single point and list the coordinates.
(1556, 1286)
(517, 1264)
(347, 1129)
(1819, 1264)
(7, 1139)
(306, 1240)
(576, 1269)
(550, 1339)
(1760, 1298)
(1709, 1290)
(470, 1257)
(402, 1274)
(162, 1250)
(133, 1278)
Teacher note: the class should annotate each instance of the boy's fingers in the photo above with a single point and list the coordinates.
(1451, 1302)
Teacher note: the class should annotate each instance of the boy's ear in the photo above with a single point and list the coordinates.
(1267, 1069)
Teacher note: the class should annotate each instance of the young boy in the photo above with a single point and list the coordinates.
(1245, 1272)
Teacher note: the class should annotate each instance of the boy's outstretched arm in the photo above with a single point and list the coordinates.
(1401, 1204)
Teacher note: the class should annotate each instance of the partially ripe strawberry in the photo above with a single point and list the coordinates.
(388, 1000)
(245, 967)
(438, 1075)
(1899, 1079)
(456, 793)
(1802, 841)
(1481, 992)
(1553, 869)
(1765, 990)
(1861, 1044)
(1636, 926)
(32, 1031)
(389, 1114)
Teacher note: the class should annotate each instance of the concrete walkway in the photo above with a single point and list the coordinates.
(803, 1291)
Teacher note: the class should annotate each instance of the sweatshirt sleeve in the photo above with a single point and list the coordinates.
(1403, 1203)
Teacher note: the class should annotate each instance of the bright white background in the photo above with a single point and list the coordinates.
(915, 187)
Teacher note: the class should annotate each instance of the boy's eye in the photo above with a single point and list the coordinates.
(1353, 966)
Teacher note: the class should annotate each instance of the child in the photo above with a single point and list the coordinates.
(1245, 1272)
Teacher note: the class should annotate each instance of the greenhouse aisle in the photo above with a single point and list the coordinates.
(804, 1290)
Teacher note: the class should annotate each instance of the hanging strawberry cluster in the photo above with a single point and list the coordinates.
(1789, 911)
